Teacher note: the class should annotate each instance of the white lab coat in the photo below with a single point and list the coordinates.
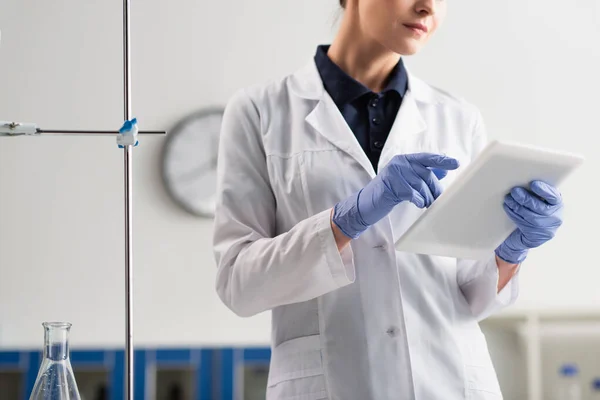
(369, 323)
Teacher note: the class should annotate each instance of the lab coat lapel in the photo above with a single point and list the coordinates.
(326, 119)
(324, 116)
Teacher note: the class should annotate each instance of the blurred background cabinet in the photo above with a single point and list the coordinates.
(528, 349)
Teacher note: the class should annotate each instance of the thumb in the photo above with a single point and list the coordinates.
(439, 173)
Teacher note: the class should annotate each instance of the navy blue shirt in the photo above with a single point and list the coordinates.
(369, 115)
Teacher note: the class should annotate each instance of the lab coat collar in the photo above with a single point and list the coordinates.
(307, 84)
(326, 119)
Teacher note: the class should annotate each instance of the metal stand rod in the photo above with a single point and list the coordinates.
(128, 179)
(92, 133)
(128, 273)
(19, 129)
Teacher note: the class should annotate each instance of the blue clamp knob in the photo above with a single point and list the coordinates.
(128, 134)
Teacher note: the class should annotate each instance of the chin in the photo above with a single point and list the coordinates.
(410, 51)
(406, 48)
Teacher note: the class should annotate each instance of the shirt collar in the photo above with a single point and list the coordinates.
(343, 89)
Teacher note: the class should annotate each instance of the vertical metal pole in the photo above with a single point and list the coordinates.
(128, 209)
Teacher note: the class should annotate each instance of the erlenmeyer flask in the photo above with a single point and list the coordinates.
(55, 380)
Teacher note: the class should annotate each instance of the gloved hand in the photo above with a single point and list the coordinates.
(537, 213)
(412, 177)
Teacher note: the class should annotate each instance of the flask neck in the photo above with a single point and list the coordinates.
(56, 340)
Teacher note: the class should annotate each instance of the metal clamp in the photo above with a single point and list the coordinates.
(17, 128)
(128, 134)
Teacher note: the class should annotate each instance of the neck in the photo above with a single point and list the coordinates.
(361, 57)
(56, 344)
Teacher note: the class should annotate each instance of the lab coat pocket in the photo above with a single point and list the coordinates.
(296, 371)
(482, 383)
(481, 380)
(285, 182)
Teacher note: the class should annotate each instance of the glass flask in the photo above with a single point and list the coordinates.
(55, 380)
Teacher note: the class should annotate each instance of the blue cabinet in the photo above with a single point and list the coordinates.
(13, 374)
(240, 373)
(159, 373)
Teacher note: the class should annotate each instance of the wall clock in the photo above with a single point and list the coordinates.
(189, 161)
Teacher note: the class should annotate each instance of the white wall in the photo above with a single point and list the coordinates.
(530, 66)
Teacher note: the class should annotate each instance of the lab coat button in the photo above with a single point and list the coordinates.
(381, 247)
(392, 331)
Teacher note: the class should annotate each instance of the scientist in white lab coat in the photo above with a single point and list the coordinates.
(319, 173)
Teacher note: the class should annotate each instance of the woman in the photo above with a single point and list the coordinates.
(319, 174)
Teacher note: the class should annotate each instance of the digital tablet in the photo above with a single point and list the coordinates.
(468, 219)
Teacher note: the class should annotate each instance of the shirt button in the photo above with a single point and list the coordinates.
(376, 121)
(392, 331)
(378, 144)
(374, 101)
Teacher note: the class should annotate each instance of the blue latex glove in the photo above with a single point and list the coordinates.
(537, 213)
(412, 177)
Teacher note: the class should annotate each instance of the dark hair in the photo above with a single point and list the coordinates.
(343, 3)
